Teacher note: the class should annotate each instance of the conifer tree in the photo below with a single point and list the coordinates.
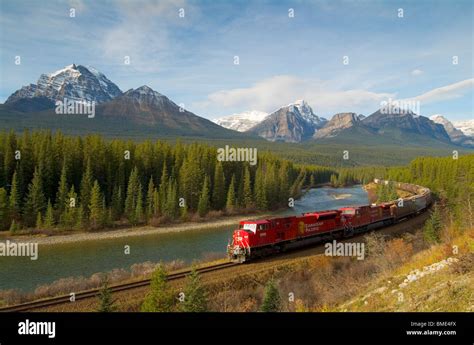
(14, 227)
(133, 193)
(4, 214)
(260, 191)
(271, 299)
(15, 198)
(204, 204)
(150, 200)
(163, 190)
(70, 215)
(106, 302)
(86, 189)
(160, 298)
(230, 204)
(116, 203)
(49, 217)
(195, 295)
(248, 195)
(433, 226)
(96, 207)
(61, 196)
(139, 207)
(218, 191)
(39, 221)
(35, 201)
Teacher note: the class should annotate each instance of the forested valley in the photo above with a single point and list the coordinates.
(70, 182)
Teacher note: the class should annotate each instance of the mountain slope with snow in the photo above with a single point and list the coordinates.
(467, 127)
(243, 121)
(76, 83)
(292, 123)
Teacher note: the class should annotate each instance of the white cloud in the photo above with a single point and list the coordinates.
(270, 94)
(416, 72)
(143, 32)
(451, 91)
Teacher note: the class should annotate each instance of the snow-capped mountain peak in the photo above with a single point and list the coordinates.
(242, 121)
(307, 112)
(74, 82)
(467, 127)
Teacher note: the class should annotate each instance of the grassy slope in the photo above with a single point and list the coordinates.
(448, 289)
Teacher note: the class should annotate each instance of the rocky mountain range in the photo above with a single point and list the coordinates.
(77, 83)
(148, 111)
(457, 136)
(297, 122)
(292, 123)
(467, 127)
(142, 109)
(243, 121)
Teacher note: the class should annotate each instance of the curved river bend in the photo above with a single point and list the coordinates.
(86, 258)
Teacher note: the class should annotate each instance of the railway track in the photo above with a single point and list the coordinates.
(28, 306)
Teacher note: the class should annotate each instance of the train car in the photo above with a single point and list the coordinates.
(262, 237)
(266, 236)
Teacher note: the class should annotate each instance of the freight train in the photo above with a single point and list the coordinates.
(264, 237)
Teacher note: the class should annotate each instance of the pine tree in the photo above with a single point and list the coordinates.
(163, 190)
(272, 299)
(204, 204)
(171, 206)
(433, 226)
(150, 200)
(86, 189)
(106, 303)
(61, 196)
(14, 227)
(39, 221)
(96, 207)
(116, 203)
(15, 198)
(195, 295)
(4, 214)
(70, 215)
(160, 298)
(139, 207)
(260, 191)
(248, 195)
(35, 201)
(218, 191)
(133, 193)
(230, 204)
(49, 217)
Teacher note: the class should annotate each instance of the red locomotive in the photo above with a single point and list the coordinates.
(263, 237)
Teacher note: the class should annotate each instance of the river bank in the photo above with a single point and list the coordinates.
(131, 231)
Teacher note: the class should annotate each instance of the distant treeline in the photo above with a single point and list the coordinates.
(70, 182)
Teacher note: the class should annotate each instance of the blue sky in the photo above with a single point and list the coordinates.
(281, 59)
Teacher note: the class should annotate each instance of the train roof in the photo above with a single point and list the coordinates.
(322, 213)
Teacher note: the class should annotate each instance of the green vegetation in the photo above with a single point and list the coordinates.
(56, 181)
(195, 294)
(161, 297)
(106, 303)
(433, 226)
(386, 192)
(272, 299)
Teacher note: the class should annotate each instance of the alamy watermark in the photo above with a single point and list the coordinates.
(9, 248)
(335, 248)
(72, 107)
(400, 107)
(240, 154)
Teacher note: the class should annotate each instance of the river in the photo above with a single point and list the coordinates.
(86, 258)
